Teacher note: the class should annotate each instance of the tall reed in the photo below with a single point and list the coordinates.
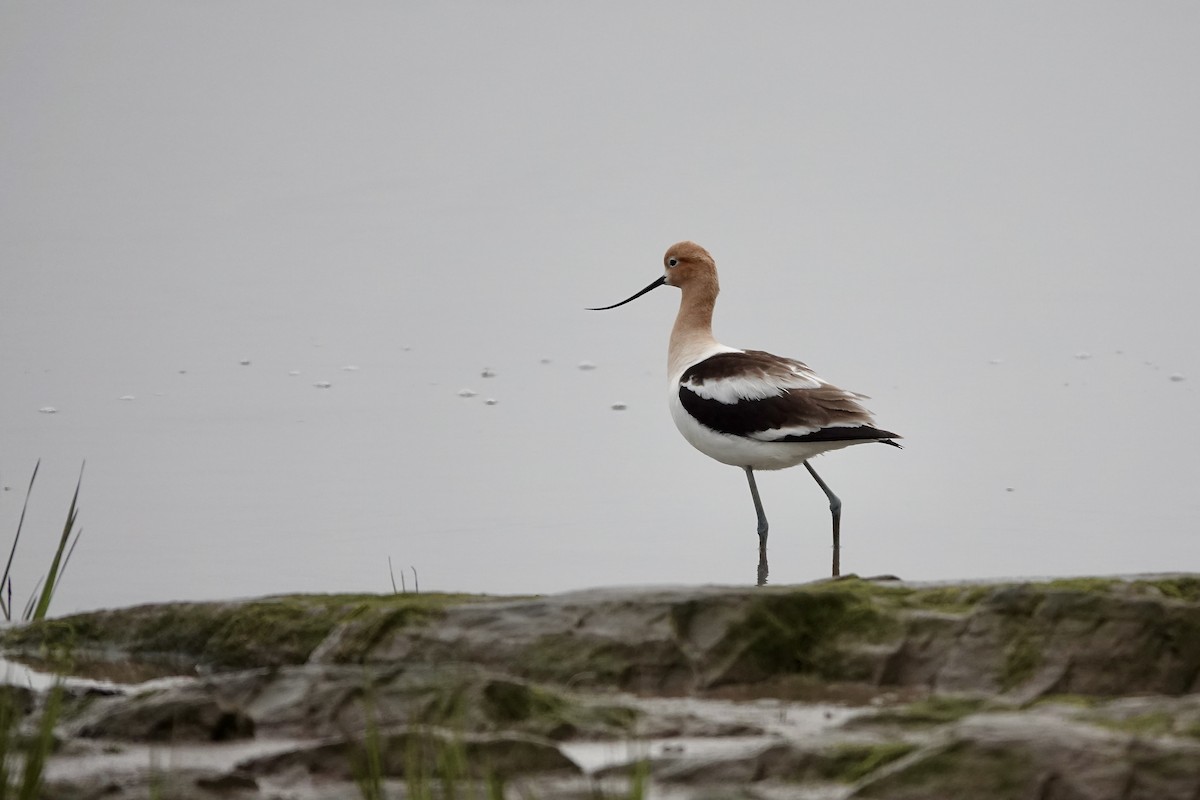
(39, 603)
(23, 754)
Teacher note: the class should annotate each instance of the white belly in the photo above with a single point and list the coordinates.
(740, 451)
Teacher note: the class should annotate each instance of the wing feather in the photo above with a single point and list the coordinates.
(765, 397)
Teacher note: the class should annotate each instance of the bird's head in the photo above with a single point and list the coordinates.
(684, 264)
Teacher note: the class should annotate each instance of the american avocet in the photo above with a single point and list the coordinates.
(748, 408)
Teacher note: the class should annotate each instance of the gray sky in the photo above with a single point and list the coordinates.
(897, 194)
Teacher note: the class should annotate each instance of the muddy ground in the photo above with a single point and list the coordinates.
(1054, 690)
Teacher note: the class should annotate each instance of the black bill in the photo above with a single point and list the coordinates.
(654, 285)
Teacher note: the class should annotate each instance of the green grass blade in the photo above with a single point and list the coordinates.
(27, 614)
(43, 606)
(40, 745)
(13, 551)
(10, 719)
(66, 560)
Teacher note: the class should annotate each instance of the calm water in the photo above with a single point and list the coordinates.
(977, 216)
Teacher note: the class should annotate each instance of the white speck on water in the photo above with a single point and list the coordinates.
(1083, 355)
(350, 368)
(619, 406)
(586, 365)
(47, 410)
(322, 384)
(293, 372)
(488, 372)
(127, 397)
(491, 401)
(467, 392)
(245, 362)
(1177, 377)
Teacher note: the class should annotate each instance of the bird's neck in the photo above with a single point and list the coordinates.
(692, 335)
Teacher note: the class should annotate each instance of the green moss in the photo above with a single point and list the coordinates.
(506, 702)
(1077, 700)
(620, 719)
(466, 699)
(962, 769)
(370, 625)
(567, 658)
(264, 634)
(1179, 587)
(1022, 657)
(948, 599)
(933, 710)
(268, 632)
(1152, 723)
(447, 706)
(1020, 608)
(800, 631)
(1084, 584)
(891, 596)
(535, 709)
(852, 762)
(888, 594)
(963, 598)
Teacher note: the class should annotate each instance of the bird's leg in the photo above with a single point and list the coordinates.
(835, 508)
(762, 528)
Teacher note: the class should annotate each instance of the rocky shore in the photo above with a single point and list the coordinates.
(1055, 690)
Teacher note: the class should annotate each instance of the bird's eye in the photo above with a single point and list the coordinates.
(672, 262)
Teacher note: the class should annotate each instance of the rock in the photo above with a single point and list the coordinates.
(177, 784)
(181, 714)
(1034, 640)
(323, 701)
(1036, 756)
(1026, 640)
(266, 632)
